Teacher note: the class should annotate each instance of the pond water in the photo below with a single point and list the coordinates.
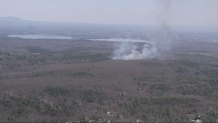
(40, 36)
(120, 40)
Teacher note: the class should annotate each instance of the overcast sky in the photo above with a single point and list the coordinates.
(139, 12)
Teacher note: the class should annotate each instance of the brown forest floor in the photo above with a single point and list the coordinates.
(75, 80)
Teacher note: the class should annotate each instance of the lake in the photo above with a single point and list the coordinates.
(40, 36)
(68, 37)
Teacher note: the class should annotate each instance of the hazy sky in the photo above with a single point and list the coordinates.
(181, 12)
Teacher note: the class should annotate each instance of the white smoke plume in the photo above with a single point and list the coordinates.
(128, 51)
(160, 43)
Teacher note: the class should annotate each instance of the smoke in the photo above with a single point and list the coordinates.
(160, 44)
(128, 51)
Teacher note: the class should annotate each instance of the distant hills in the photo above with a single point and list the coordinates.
(10, 18)
(15, 22)
(21, 23)
(14, 25)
